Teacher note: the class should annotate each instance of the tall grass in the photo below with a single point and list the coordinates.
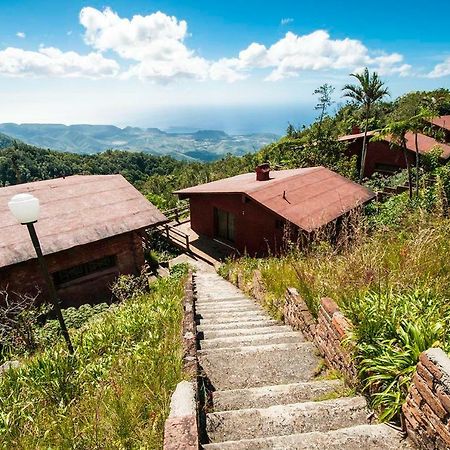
(392, 281)
(112, 393)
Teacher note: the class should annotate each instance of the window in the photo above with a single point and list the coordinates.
(82, 270)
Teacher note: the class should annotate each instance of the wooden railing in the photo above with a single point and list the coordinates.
(179, 213)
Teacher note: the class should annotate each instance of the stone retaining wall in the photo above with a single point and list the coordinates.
(427, 407)
(328, 331)
(181, 427)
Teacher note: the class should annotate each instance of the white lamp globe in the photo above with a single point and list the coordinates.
(25, 208)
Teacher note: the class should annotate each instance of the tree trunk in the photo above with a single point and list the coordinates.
(364, 147)
(319, 128)
(417, 164)
(408, 167)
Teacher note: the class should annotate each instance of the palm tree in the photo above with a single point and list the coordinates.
(369, 90)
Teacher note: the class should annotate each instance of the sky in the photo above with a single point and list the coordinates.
(240, 66)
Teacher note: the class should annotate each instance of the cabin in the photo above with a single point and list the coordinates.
(253, 211)
(386, 158)
(91, 230)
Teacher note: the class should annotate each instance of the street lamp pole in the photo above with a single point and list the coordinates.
(25, 208)
(50, 285)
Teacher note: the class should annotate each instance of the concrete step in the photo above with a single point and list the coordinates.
(224, 304)
(229, 332)
(279, 394)
(253, 339)
(218, 298)
(237, 325)
(359, 437)
(232, 314)
(286, 419)
(232, 317)
(252, 366)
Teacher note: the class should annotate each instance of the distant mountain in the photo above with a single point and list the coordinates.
(203, 145)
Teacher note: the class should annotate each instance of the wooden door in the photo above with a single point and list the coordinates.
(225, 225)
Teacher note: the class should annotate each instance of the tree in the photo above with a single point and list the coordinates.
(417, 124)
(396, 131)
(369, 91)
(325, 91)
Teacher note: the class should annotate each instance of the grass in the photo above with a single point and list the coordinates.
(113, 393)
(391, 278)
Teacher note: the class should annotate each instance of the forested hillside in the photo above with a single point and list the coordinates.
(159, 176)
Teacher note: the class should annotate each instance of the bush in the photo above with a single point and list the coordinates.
(130, 286)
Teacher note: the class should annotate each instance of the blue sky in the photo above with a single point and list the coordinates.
(240, 66)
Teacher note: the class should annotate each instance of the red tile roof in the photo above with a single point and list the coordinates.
(442, 122)
(425, 143)
(308, 198)
(75, 211)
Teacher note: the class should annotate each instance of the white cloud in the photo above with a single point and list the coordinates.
(155, 41)
(286, 21)
(440, 70)
(21, 35)
(293, 54)
(153, 47)
(50, 61)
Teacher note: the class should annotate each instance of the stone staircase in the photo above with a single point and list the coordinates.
(264, 391)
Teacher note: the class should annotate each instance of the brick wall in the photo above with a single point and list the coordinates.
(26, 276)
(427, 407)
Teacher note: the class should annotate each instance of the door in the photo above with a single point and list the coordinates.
(225, 225)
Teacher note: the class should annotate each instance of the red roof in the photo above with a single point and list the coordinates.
(308, 198)
(425, 143)
(75, 211)
(442, 122)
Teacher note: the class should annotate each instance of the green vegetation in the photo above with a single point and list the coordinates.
(113, 392)
(390, 275)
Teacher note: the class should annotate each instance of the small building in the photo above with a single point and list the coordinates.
(90, 229)
(252, 212)
(386, 158)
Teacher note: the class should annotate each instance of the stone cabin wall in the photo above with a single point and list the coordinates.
(26, 277)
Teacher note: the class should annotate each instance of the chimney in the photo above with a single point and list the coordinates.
(356, 129)
(263, 172)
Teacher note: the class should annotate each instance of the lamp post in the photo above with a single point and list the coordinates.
(25, 208)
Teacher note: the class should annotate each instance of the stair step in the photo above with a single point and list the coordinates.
(222, 297)
(359, 437)
(229, 332)
(224, 307)
(286, 419)
(253, 366)
(209, 315)
(220, 304)
(253, 339)
(237, 325)
(235, 317)
(279, 394)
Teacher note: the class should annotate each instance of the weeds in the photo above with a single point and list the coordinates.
(113, 392)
